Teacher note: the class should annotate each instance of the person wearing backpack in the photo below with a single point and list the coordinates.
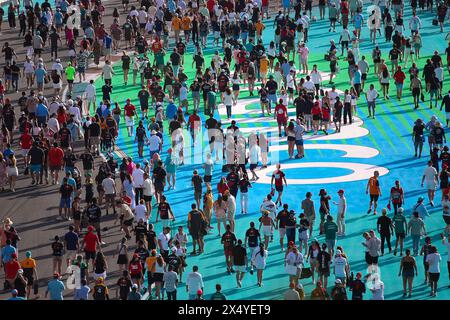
(339, 292)
(100, 290)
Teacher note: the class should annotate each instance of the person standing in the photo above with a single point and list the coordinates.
(357, 287)
(373, 185)
(308, 209)
(385, 229)
(170, 280)
(331, 229)
(196, 227)
(342, 209)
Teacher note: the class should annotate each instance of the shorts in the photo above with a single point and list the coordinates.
(198, 195)
(71, 254)
(279, 188)
(331, 243)
(282, 232)
(253, 166)
(35, 168)
(24, 152)
(324, 273)
(400, 235)
(370, 259)
(291, 90)
(55, 168)
(138, 276)
(299, 142)
(89, 255)
(282, 121)
(416, 92)
(65, 202)
(267, 231)
(81, 69)
(374, 197)
(207, 178)
(110, 197)
(129, 222)
(399, 86)
(240, 268)
(434, 276)
(147, 198)
(228, 252)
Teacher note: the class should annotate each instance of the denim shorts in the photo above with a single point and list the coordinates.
(65, 202)
(35, 168)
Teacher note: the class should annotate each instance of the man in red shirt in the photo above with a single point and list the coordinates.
(194, 124)
(26, 141)
(11, 269)
(90, 244)
(281, 116)
(399, 77)
(156, 46)
(279, 177)
(55, 161)
(129, 115)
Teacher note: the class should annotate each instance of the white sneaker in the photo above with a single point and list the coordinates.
(102, 243)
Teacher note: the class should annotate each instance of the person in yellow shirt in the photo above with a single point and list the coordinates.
(150, 262)
(263, 68)
(259, 29)
(186, 26)
(176, 25)
(28, 266)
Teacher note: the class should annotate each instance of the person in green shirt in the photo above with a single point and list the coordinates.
(171, 169)
(70, 75)
(331, 229)
(400, 228)
(218, 295)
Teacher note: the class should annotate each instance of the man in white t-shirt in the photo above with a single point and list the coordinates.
(342, 209)
(333, 95)
(154, 143)
(340, 267)
(309, 86)
(140, 212)
(430, 177)
(28, 70)
(75, 111)
(90, 93)
(163, 242)
(148, 192)
(138, 182)
(254, 156)
(58, 66)
(109, 186)
(371, 97)
(194, 283)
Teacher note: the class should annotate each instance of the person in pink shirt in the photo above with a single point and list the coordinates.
(303, 53)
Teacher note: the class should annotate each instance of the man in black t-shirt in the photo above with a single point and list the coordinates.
(143, 96)
(94, 136)
(240, 262)
(151, 237)
(281, 221)
(272, 88)
(211, 126)
(88, 163)
(164, 212)
(141, 136)
(175, 60)
(65, 137)
(65, 203)
(159, 180)
(36, 156)
(94, 213)
(197, 183)
(195, 226)
(54, 39)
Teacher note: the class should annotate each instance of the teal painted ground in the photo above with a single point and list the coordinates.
(389, 133)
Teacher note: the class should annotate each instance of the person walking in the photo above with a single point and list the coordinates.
(434, 260)
(240, 262)
(416, 227)
(408, 268)
(385, 229)
(373, 185)
(342, 209)
(371, 97)
(430, 177)
(259, 259)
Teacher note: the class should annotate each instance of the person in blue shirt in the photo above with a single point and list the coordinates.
(8, 151)
(56, 288)
(40, 74)
(83, 292)
(285, 68)
(15, 295)
(7, 252)
(71, 244)
(42, 113)
(107, 45)
(171, 110)
(357, 75)
(358, 20)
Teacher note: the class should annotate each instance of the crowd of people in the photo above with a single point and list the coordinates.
(42, 131)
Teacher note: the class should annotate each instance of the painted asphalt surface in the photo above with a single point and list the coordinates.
(384, 142)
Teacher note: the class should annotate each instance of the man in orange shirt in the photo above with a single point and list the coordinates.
(176, 24)
(373, 186)
(259, 30)
(263, 68)
(186, 26)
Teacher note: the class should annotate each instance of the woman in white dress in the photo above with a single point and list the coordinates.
(259, 259)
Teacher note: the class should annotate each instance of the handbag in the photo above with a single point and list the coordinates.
(306, 273)
(327, 57)
(435, 22)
